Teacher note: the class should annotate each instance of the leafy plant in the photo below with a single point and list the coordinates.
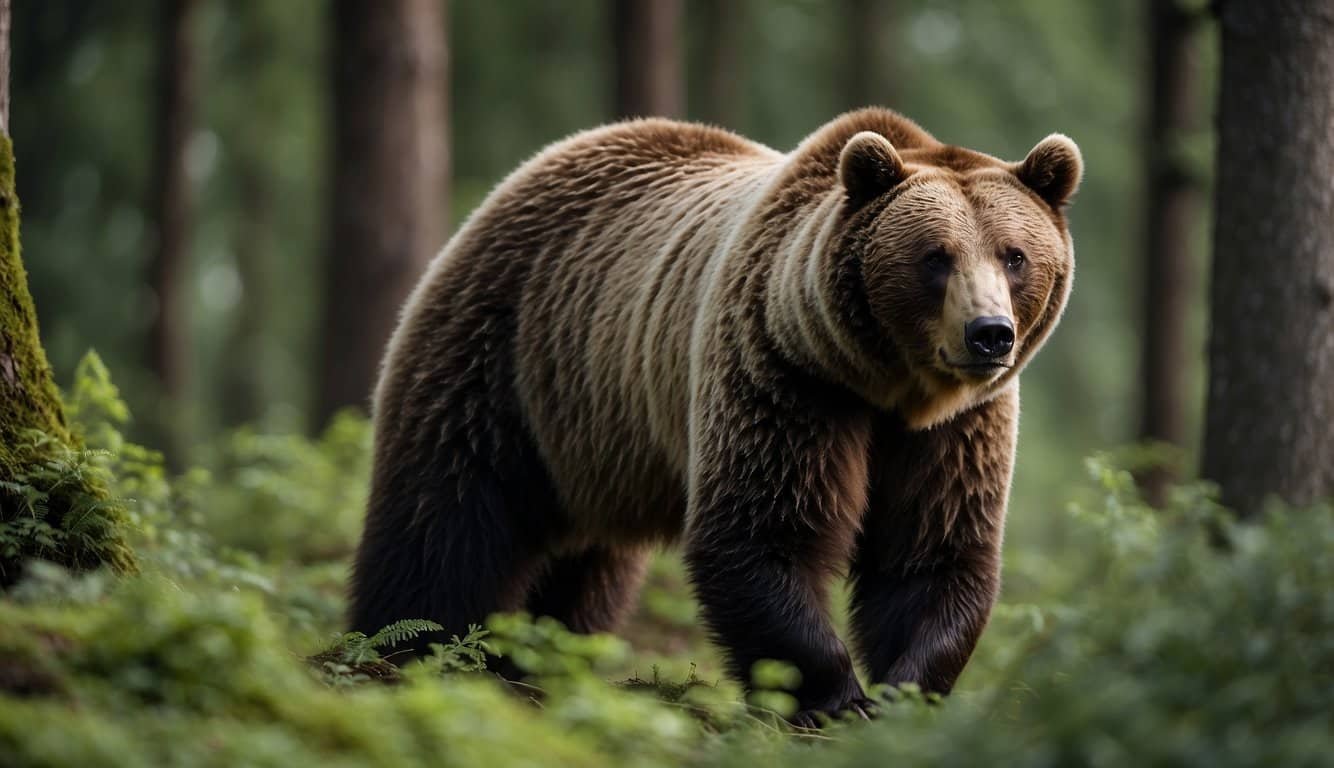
(355, 657)
(460, 654)
(56, 508)
(542, 646)
(290, 497)
(357, 648)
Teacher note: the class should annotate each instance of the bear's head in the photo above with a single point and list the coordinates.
(966, 261)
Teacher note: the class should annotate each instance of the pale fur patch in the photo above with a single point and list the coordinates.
(976, 289)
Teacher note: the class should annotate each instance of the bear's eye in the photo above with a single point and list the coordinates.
(1014, 259)
(936, 261)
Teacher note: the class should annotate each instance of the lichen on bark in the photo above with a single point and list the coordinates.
(53, 504)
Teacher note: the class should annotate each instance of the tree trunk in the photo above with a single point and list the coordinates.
(1171, 211)
(647, 38)
(723, 25)
(243, 393)
(249, 129)
(168, 336)
(1270, 417)
(28, 395)
(29, 404)
(867, 73)
(4, 102)
(390, 159)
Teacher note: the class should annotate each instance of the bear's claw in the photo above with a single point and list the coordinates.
(859, 708)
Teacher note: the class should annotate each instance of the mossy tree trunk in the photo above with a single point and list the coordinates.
(28, 395)
(34, 502)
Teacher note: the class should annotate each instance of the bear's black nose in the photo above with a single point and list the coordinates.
(989, 337)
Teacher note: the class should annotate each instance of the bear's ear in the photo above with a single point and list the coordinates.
(1052, 169)
(868, 166)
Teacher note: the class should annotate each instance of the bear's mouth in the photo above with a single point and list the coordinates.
(974, 369)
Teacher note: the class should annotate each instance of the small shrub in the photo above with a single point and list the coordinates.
(289, 497)
(58, 504)
(355, 657)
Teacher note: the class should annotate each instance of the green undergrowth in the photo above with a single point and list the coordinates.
(56, 502)
(1171, 637)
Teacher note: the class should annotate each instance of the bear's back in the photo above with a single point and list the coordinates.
(605, 320)
(572, 291)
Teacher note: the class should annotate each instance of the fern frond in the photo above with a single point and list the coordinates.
(402, 631)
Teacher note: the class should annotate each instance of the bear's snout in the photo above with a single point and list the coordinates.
(989, 338)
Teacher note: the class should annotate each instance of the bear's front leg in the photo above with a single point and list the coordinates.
(927, 566)
(775, 498)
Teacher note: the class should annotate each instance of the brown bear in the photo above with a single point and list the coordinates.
(798, 365)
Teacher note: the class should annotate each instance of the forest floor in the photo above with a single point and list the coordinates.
(1171, 637)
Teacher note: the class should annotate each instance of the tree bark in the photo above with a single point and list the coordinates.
(248, 131)
(390, 161)
(168, 335)
(1171, 213)
(723, 25)
(5, 23)
(243, 394)
(1270, 415)
(867, 66)
(30, 402)
(647, 38)
(28, 395)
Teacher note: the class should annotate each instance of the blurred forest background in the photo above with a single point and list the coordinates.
(265, 316)
(229, 199)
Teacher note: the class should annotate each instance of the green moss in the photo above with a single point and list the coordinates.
(28, 395)
(53, 503)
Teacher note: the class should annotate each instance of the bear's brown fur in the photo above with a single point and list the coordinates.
(656, 331)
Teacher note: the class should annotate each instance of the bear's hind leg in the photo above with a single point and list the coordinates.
(452, 536)
(454, 566)
(590, 591)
